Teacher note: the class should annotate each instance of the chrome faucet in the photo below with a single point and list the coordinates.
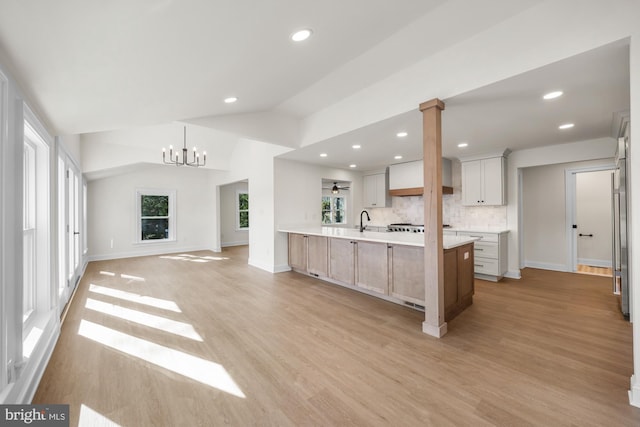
(368, 219)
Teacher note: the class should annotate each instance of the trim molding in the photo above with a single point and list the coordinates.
(513, 274)
(547, 266)
(434, 331)
(634, 392)
(595, 262)
(227, 244)
(25, 387)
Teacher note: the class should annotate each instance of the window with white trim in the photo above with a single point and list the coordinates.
(28, 230)
(242, 210)
(334, 210)
(155, 215)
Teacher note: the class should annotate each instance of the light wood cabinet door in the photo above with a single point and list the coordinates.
(298, 251)
(407, 273)
(318, 255)
(342, 260)
(372, 266)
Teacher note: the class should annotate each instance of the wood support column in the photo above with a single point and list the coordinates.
(434, 323)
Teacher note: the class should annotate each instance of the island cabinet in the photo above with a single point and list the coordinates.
(458, 280)
(309, 254)
(298, 251)
(406, 273)
(372, 268)
(342, 260)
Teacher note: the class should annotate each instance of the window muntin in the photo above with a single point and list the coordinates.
(242, 210)
(156, 217)
(334, 210)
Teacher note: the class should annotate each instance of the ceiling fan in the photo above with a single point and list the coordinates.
(336, 189)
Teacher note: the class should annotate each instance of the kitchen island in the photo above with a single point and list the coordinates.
(385, 265)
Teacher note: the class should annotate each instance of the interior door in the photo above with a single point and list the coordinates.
(69, 228)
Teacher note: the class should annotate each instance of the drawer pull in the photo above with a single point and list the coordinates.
(479, 249)
(478, 265)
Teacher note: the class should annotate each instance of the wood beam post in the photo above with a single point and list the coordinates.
(434, 323)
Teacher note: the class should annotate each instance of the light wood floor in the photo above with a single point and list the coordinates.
(549, 350)
(597, 271)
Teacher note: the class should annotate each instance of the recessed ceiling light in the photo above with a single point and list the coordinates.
(566, 126)
(323, 154)
(463, 144)
(352, 165)
(553, 95)
(230, 100)
(397, 157)
(401, 134)
(355, 147)
(301, 35)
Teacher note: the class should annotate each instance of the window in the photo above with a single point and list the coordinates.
(36, 209)
(156, 215)
(334, 210)
(29, 230)
(242, 210)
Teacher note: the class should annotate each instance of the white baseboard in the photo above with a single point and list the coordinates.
(281, 268)
(147, 252)
(606, 263)
(546, 266)
(634, 392)
(513, 274)
(227, 244)
(434, 331)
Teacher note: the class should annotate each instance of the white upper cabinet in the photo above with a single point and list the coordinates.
(376, 192)
(483, 182)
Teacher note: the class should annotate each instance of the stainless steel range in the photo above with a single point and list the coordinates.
(406, 228)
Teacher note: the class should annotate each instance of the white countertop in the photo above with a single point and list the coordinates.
(398, 238)
(478, 229)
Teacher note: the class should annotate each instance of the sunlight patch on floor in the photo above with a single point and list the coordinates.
(140, 299)
(157, 322)
(134, 278)
(196, 368)
(89, 417)
(194, 258)
(108, 273)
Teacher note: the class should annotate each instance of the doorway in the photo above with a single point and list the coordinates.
(234, 214)
(589, 211)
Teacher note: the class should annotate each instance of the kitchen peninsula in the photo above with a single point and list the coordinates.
(385, 265)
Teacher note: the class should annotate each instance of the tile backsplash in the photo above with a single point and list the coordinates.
(411, 209)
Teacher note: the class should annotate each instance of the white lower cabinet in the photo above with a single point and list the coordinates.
(490, 254)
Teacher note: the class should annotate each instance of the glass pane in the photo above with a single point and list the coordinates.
(326, 217)
(244, 219)
(339, 217)
(243, 201)
(153, 229)
(339, 203)
(155, 206)
(326, 204)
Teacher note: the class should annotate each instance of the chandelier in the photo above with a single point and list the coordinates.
(184, 161)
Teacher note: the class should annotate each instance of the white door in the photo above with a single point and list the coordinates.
(69, 228)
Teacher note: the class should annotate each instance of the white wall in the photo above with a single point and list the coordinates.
(544, 219)
(299, 194)
(593, 203)
(229, 233)
(111, 207)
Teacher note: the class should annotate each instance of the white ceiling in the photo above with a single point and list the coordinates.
(510, 114)
(156, 61)
(90, 66)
